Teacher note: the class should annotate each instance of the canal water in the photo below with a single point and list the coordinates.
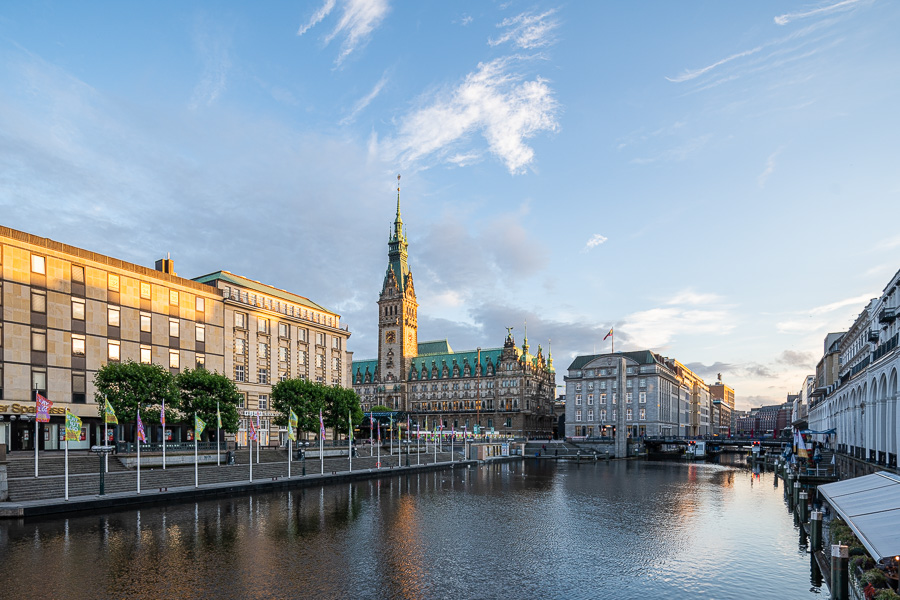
(619, 530)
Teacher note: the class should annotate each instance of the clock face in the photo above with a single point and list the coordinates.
(390, 337)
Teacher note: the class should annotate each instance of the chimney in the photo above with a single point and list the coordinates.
(166, 265)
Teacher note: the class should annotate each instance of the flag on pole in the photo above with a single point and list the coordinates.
(321, 426)
(218, 417)
(608, 334)
(42, 409)
(199, 426)
(292, 424)
(162, 414)
(802, 449)
(252, 431)
(73, 427)
(109, 415)
(350, 422)
(141, 434)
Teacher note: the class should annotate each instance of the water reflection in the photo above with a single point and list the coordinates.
(619, 529)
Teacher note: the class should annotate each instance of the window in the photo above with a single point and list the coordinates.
(603, 385)
(112, 316)
(77, 274)
(283, 330)
(320, 339)
(174, 359)
(262, 325)
(77, 309)
(283, 354)
(590, 399)
(642, 414)
(602, 414)
(578, 387)
(113, 351)
(320, 361)
(38, 302)
(602, 398)
(263, 402)
(508, 422)
(173, 327)
(39, 340)
(301, 357)
(628, 396)
(264, 375)
(112, 282)
(38, 265)
(336, 366)
(200, 333)
(577, 399)
(173, 297)
(77, 345)
(642, 382)
(642, 397)
(145, 290)
(336, 343)
(240, 320)
(578, 415)
(241, 401)
(263, 351)
(590, 414)
(199, 304)
(628, 414)
(200, 361)
(39, 380)
(239, 373)
(240, 346)
(301, 334)
(145, 322)
(146, 355)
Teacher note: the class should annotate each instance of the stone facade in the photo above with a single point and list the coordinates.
(505, 390)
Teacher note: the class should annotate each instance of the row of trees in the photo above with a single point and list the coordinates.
(128, 385)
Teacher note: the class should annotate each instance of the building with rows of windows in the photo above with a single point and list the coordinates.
(663, 397)
(68, 311)
(505, 390)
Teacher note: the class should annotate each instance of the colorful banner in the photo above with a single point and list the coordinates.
(109, 415)
(292, 425)
(162, 413)
(321, 426)
(199, 426)
(141, 434)
(73, 428)
(218, 417)
(251, 432)
(42, 414)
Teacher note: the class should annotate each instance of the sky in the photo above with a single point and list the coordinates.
(716, 181)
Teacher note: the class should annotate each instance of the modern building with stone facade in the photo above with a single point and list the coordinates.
(663, 397)
(272, 335)
(503, 390)
(723, 406)
(68, 311)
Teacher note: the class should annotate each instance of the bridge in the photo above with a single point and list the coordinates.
(723, 443)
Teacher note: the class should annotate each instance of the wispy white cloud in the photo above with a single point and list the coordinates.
(797, 326)
(656, 327)
(689, 296)
(363, 102)
(595, 241)
(465, 20)
(528, 30)
(213, 50)
(358, 20)
(823, 10)
(494, 101)
(694, 73)
(678, 153)
(763, 177)
(860, 301)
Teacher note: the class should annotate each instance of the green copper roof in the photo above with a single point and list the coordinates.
(642, 357)
(460, 359)
(361, 366)
(435, 347)
(261, 288)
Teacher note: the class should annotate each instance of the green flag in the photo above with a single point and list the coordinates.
(292, 425)
(109, 415)
(199, 426)
(218, 416)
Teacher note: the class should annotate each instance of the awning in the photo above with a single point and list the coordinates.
(871, 507)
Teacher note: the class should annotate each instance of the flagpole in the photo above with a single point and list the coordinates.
(418, 444)
(196, 459)
(391, 435)
(219, 445)
(137, 442)
(162, 418)
(67, 468)
(452, 439)
(379, 445)
(321, 448)
(289, 456)
(250, 446)
(35, 441)
(350, 434)
(258, 437)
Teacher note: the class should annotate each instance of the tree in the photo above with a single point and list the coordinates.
(304, 397)
(339, 404)
(128, 385)
(203, 392)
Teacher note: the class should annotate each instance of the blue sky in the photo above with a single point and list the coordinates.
(717, 181)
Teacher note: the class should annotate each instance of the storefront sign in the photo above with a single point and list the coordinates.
(24, 409)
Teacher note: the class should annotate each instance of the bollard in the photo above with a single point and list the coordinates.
(839, 583)
(815, 530)
(803, 506)
(796, 493)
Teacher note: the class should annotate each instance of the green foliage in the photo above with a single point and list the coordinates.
(875, 577)
(129, 384)
(305, 397)
(341, 403)
(887, 594)
(200, 393)
(380, 408)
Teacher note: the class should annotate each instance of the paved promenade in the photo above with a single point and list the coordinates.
(45, 495)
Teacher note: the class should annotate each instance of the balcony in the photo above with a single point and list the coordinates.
(873, 335)
(887, 315)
